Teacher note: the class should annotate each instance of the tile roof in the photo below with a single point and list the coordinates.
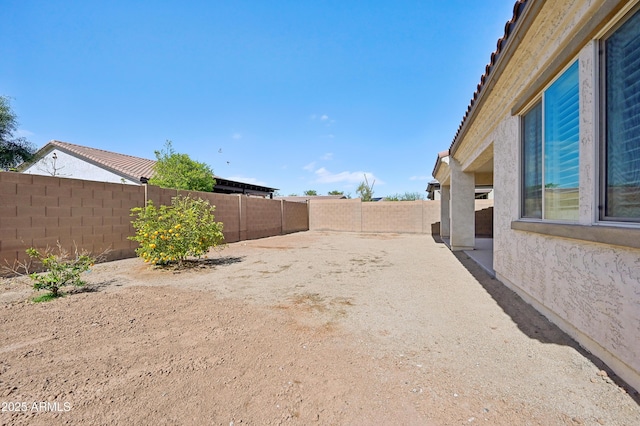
(128, 165)
(518, 8)
(132, 167)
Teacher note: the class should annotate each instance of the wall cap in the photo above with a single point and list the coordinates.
(601, 233)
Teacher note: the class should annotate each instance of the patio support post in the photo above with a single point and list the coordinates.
(463, 218)
(445, 199)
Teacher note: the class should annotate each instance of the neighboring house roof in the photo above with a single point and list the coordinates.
(134, 168)
(305, 198)
(227, 186)
(432, 187)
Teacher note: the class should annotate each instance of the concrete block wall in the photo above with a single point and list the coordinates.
(263, 218)
(40, 211)
(389, 216)
(484, 222)
(431, 217)
(244, 217)
(335, 215)
(227, 207)
(392, 216)
(295, 217)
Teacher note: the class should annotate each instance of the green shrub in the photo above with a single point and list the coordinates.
(172, 233)
(61, 269)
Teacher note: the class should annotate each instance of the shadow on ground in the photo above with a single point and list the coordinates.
(93, 287)
(529, 320)
(209, 263)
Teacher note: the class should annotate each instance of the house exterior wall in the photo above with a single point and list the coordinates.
(71, 166)
(590, 289)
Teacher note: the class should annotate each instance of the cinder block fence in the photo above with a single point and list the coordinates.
(39, 211)
(416, 217)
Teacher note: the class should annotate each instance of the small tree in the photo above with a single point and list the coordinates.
(61, 269)
(335, 192)
(407, 196)
(172, 233)
(13, 151)
(310, 192)
(179, 171)
(49, 165)
(365, 191)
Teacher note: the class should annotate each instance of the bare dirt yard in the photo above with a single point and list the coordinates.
(308, 328)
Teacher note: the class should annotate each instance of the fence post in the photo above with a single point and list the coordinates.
(282, 222)
(239, 217)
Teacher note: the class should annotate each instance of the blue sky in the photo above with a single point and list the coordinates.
(294, 95)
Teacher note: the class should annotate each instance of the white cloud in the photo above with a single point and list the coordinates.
(327, 156)
(310, 166)
(243, 179)
(237, 136)
(420, 178)
(324, 118)
(325, 176)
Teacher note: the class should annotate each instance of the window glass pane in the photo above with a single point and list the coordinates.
(561, 147)
(532, 163)
(623, 121)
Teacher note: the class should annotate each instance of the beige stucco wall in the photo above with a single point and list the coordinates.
(590, 290)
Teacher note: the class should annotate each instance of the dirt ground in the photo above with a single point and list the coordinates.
(308, 328)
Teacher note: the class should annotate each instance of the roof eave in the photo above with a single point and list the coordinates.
(439, 162)
(521, 22)
(51, 146)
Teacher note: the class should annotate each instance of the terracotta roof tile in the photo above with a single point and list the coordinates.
(128, 165)
(518, 8)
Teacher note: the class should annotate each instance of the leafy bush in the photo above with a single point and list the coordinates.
(61, 269)
(172, 233)
(407, 196)
(179, 171)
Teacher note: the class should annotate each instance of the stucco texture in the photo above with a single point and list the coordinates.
(591, 290)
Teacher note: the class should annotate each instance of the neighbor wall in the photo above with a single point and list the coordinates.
(420, 217)
(40, 211)
(295, 217)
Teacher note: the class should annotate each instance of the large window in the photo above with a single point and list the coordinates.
(621, 118)
(550, 152)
